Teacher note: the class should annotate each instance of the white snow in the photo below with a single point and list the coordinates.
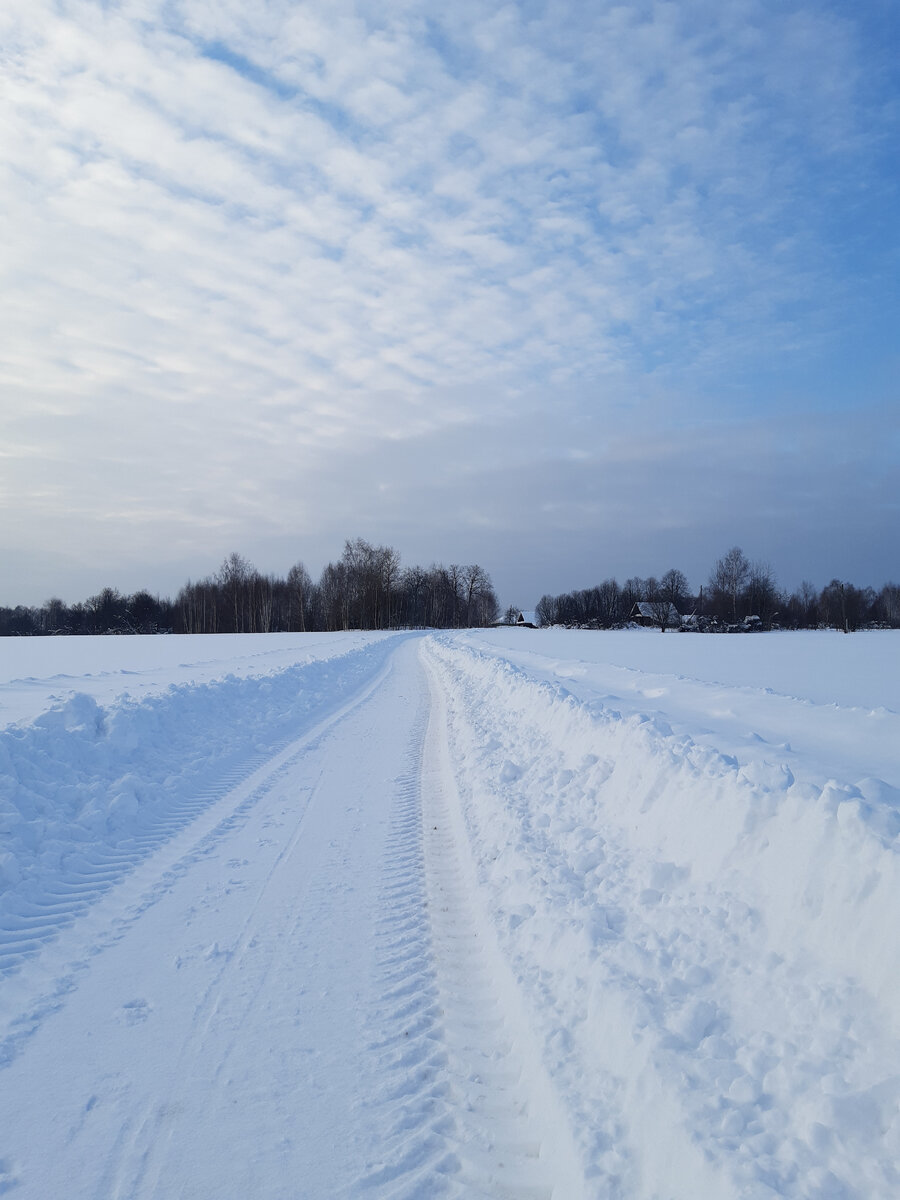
(490, 913)
(34, 672)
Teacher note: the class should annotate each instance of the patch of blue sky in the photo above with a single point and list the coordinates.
(418, 178)
(463, 150)
(876, 25)
(409, 237)
(167, 182)
(516, 228)
(801, 364)
(333, 114)
(854, 366)
(586, 121)
(457, 59)
(247, 69)
(330, 251)
(451, 207)
(363, 210)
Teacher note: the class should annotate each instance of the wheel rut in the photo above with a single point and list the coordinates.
(36, 916)
(166, 856)
(468, 1109)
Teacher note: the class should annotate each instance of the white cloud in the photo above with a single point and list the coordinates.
(253, 237)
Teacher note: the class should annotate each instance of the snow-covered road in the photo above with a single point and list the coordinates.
(452, 915)
(266, 1006)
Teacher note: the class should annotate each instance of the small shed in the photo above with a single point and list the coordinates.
(647, 612)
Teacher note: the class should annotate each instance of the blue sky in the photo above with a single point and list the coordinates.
(569, 290)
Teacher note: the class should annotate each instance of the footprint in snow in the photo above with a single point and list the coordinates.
(9, 1178)
(510, 772)
(136, 1011)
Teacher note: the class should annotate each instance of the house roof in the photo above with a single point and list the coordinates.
(647, 609)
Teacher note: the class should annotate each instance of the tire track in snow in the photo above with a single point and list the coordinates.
(140, 1153)
(418, 1156)
(148, 879)
(36, 913)
(28, 925)
(695, 1059)
(472, 1113)
(516, 1139)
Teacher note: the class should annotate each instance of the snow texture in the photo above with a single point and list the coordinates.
(501, 913)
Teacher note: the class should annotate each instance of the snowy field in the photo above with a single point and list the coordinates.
(501, 913)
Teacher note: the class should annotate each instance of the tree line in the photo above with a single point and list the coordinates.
(366, 588)
(738, 595)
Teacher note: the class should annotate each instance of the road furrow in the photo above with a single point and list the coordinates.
(514, 1140)
(297, 997)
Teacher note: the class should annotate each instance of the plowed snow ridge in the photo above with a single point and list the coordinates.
(454, 915)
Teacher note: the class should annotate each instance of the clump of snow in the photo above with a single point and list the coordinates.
(87, 791)
(705, 924)
(622, 905)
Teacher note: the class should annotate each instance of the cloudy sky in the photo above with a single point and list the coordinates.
(571, 289)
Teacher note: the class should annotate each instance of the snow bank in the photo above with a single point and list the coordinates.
(36, 672)
(708, 939)
(87, 791)
(821, 666)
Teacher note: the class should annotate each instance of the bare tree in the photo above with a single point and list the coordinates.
(232, 578)
(889, 605)
(728, 578)
(762, 593)
(261, 597)
(300, 586)
(333, 597)
(632, 592)
(548, 610)
(846, 607)
(197, 607)
(413, 584)
(674, 587)
(388, 563)
(454, 579)
(144, 612)
(609, 600)
(108, 611)
(803, 607)
(662, 610)
(475, 583)
(54, 615)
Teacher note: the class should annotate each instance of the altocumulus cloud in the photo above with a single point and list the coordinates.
(276, 273)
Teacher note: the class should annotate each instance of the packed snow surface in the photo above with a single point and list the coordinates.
(502, 913)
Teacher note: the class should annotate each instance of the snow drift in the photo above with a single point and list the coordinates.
(86, 790)
(666, 870)
(708, 939)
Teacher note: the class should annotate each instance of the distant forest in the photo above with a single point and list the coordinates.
(367, 589)
(739, 596)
